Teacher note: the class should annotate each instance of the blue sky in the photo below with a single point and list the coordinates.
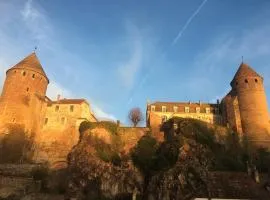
(118, 53)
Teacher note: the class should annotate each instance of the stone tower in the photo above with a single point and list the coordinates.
(248, 86)
(23, 94)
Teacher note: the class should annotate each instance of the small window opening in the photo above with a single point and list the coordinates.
(71, 108)
(256, 80)
(14, 71)
(24, 73)
(62, 120)
(46, 121)
(56, 108)
(33, 75)
(236, 83)
(13, 120)
(27, 89)
(246, 81)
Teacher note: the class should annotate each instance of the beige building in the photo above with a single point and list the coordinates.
(158, 112)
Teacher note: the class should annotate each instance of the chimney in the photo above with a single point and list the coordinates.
(58, 97)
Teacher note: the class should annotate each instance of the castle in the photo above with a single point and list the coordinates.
(244, 108)
(55, 123)
(24, 102)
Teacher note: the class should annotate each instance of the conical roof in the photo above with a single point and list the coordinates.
(245, 71)
(31, 62)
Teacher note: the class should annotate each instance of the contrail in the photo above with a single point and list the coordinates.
(188, 22)
(173, 43)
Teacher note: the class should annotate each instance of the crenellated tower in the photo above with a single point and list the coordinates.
(249, 89)
(23, 94)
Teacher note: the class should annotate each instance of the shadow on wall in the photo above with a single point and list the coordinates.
(15, 145)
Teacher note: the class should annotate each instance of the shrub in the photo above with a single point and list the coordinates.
(144, 153)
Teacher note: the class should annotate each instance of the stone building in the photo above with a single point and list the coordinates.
(244, 108)
(24, 102)
(158, 112)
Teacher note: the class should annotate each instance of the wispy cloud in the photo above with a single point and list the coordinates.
(36, 29)
(223, 56)
(188, 22)
(36, 21)
(128, 70)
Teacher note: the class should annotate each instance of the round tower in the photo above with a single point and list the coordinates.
(252, 104)
(23, 94)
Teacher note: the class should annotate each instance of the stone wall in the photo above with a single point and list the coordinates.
(20, 99)
(130, 136)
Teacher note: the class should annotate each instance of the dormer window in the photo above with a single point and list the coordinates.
(164, 109)
(186, 109)
(153, 108)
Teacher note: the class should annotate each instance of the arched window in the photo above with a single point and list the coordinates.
(256, 80)
(33, 75)
(246, 81)
(24, 73)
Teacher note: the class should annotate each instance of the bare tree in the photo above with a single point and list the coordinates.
(135, 116)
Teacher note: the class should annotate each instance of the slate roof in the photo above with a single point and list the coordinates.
(31, 62)
(245, 70)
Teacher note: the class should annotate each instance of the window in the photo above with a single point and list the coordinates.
(62, 120)
(175, 109)
(71, 108)
(164, 109)
(207, 110)
(256, 80)
(236, 83)
(246, 81)
(27, 89)
(56, 108)
(153, 108)
(198, 109)
(13, 120)
(46, 121)
(186, 109)
(24, 73)
(164, 118)
(217, 111)
(33, 75)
